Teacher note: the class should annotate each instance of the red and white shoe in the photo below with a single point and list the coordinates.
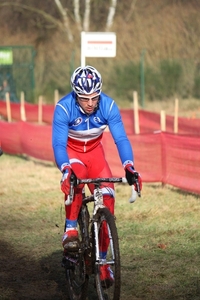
(106, 276)
(70, 240)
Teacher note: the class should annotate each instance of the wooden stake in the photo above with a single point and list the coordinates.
(40, 109)
(136, 114)
(56, 96)
(162, 120)
(22, 107)
(8, 109)
(176, 116)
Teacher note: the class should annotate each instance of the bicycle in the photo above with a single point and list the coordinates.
(86, 262)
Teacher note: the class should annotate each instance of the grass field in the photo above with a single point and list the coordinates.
(159, 237)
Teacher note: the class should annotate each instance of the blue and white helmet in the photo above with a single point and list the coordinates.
(86, 80)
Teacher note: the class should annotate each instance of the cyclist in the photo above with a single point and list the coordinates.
(80, 118)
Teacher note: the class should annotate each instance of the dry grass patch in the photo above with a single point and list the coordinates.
(159, 237)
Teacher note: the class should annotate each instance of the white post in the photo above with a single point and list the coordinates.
(56, 97)
(8, 108)
(176, 116)
(22, 107)
(40, 103)
(163, 120)
(136, 113)
(82, 49)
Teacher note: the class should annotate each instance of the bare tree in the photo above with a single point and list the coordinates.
(87, 11)
(77, 14)
(63, 23)
(86, 19)
(64, 16)
(40, 12)
(111, 14)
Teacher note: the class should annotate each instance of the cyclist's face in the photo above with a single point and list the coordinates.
(89, 102)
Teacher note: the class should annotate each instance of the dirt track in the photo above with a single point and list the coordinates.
(22, 278)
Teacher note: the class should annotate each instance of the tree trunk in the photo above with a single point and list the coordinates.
(111, 14)
(86, 20)
(77, 14)
(63, 13)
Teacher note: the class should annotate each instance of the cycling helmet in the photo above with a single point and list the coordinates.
(86, 80)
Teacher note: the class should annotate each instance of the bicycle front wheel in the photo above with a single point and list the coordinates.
(107, 264)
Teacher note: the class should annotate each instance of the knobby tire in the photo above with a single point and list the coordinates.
(77, 279)
(113, 292)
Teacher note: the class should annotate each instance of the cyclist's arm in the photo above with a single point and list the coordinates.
(60, 128)
(119, 135)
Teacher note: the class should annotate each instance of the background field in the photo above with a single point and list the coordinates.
(159, 237)
(163, 36)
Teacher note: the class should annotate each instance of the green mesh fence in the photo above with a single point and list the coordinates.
(17, 68)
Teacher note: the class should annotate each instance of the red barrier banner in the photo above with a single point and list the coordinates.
(31, 112)
(149, 122)
(159, 157)
(26, 138)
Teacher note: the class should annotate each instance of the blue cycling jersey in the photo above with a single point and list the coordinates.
(73, 127)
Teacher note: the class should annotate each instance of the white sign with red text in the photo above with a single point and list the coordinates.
(97, 44)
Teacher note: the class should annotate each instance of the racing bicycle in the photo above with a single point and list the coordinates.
(85, 263)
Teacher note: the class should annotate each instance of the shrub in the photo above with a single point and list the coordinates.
(196, 89)
(160, 82)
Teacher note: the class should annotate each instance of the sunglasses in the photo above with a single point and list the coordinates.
(86, 99)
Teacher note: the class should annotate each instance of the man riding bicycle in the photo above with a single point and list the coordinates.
(79, 121)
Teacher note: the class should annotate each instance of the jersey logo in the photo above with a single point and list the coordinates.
(77, 121)
(97, 120)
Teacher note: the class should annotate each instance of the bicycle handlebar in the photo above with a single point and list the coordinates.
(74, 181)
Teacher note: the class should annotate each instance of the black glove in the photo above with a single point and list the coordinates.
(132, 175)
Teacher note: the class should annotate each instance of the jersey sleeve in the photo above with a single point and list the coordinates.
(60, 128)
(119, 135)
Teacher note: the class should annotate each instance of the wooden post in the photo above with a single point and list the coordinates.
(162, 120)
(136, 113)
(176, 116)
(56, 96)
(40, 109)
(22, 107)
(8, 109)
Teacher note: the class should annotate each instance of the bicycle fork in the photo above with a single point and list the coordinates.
(99, 260)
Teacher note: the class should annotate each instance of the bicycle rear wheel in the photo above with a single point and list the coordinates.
(107, 230)
(77, 281)
(75, 267)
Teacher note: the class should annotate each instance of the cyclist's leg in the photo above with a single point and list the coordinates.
(100, 168)
(73, 209)
(91, 164)
(70, 237)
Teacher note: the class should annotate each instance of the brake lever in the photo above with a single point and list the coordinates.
(135, 181)
(138, 188)
(73, 183)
